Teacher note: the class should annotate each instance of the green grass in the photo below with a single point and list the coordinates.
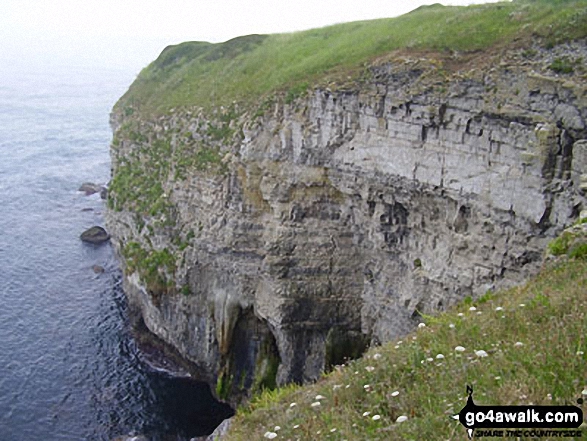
(248, 68)
(156, 267)
(535, 337)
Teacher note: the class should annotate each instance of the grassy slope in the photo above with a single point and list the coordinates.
(247, 68)
(548, 366)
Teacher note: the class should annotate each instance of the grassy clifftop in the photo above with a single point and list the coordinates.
(247, 68)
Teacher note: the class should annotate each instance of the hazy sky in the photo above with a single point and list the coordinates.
(131, 33)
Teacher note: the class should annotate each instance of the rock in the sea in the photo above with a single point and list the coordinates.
(98, 269)
(131, 438)
(90, 188)
(103, 192)
(95, 235)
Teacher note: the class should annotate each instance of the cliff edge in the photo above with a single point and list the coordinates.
(276, 212)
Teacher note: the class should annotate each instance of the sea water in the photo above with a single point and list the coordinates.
(69, 369)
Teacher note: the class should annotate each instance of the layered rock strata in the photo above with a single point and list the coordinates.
(280, 242)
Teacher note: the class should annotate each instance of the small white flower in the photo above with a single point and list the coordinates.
(277, 428)
(479, 312)
(395, 393)
(332, 430)
(451, 326)
(460, 349)
(315, 404)
(421, 325)
(347, 386)
(319, 397)
(336, 386)
(481, 353)
(376, 356)
(367, 386)
(439, 356)
(366, 413)
(430, 359)
(518, 344)
(401, 419)
(293, 404)
(498, 378)
(376, 417)
(584, 391)
(369, 368)
(580, 353)
(522, 305)
(472, 308)
(297, 426)
(499, 308)
(396, 346)
(460, 314)
(270, 435)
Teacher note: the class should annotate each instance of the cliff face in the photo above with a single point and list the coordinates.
(266, 246)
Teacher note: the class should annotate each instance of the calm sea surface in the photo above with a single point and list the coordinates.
(68, 367)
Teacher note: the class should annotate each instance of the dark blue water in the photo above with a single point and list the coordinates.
(68, 367)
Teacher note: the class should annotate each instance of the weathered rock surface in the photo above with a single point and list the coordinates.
(95, 235)
(90, 188)
(337, 219)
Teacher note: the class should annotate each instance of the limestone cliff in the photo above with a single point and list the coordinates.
(269, 243)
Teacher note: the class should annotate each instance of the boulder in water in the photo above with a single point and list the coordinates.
(90, 188)
(98, 269)
(95, 235)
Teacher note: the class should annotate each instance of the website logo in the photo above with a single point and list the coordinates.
(476, 418)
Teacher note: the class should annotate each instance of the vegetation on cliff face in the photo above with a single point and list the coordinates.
(248, 68)
(525, 345)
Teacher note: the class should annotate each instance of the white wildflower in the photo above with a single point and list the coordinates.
(270, 435)
(439, 356)
(369, 368)
(580, 353)
(332, 430)
(319, 397)
(376, 417)
(460, 314)
(297, 426)
(451, 326)
(376, 356)
(472, 308)
(421, 325)
(499, 308)
(518, 344)
(481, 353)
(401, 419)
(395, 393)
(336, 386)
(293, 404)
(460, 349)
(315, 404)
(522, 305)
(366, 413)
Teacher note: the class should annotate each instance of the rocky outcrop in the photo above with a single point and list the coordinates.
(95, 235)
(268, 246)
